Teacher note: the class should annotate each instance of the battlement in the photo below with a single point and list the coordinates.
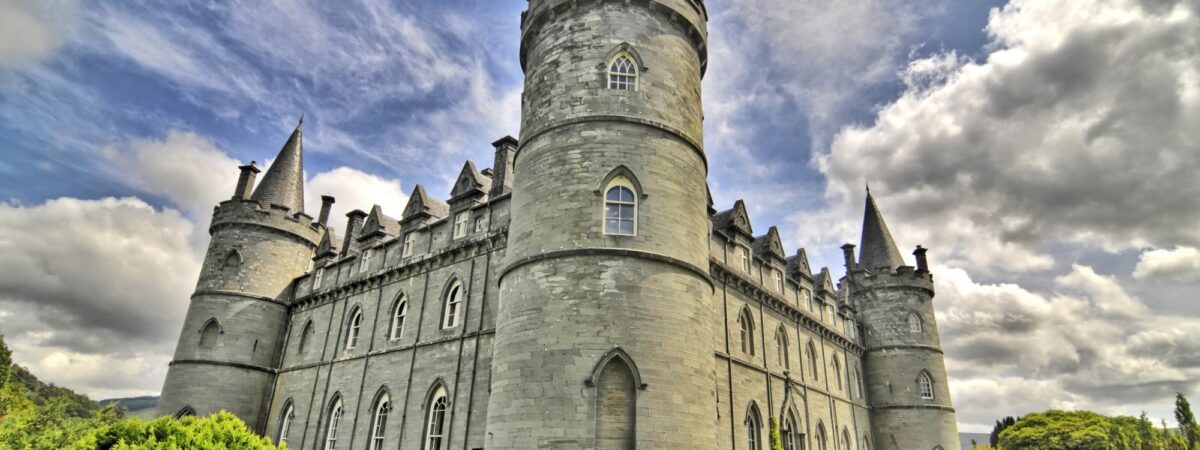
(281, 218)
(903, 276)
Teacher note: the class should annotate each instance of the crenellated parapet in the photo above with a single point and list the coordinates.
(273, 217)
(903, 277)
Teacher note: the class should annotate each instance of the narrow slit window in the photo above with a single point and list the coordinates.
(622, 74)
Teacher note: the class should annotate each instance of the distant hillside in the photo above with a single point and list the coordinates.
(78, 405)
(136, 406)
(980, 439)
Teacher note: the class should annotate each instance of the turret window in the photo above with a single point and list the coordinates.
(620, 208)
(453, 307)
(622, 73)
(914, 323)
(209, 334)
(355, 326)
(925, 384)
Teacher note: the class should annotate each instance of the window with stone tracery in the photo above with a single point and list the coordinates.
(622, 73)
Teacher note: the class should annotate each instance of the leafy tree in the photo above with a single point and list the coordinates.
(222, 430)
(5, 360)
(1001, 424)
(1187, 421)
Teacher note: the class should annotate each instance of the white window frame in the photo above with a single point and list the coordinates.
(356, 318)
(746, 329)
(365, 260)
(317, 278)
(480, 224)
(616, 183)
(460, 224)
(915, 324)
(453, 305)
(379, 422)
(779, 280)
(746, 259)
(753, 429)
(399, 314)
(624, 77)
(410, 241)
(438, 402)
(925, 385)
(286, 422)
(781, 344)
(335, 416)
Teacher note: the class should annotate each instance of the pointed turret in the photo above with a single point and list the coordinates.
(284, 182)
(877, 248)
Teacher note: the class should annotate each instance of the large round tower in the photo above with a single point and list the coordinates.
(603, 329)
(904, 372)
(232, 336)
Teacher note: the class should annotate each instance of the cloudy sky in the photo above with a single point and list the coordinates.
(1045, 150)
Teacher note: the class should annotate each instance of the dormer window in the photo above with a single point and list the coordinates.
(317, 278)
(620, 208)
(366, 260)
(622, 73)
(460, 224)
(480, 225)
(745, 255)
(410, 241)
(779, 281)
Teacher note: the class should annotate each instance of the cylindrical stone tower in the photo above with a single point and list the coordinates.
(233, 333)
(603, 327)
(904, 372)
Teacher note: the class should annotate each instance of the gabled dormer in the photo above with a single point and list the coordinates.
(328, 250)
(470, 189)
(769, 247)
(825, 281)
(734, 221)
(377, 228)
(797, 265)
(422, 209)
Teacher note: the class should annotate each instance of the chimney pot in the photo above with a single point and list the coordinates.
(326, 205)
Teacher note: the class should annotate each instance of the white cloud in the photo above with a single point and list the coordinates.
(32, 30)
(1077, 128)
(1089, 344)
(1180, 263)
(354, 189)
(98, 285)
(184, 167)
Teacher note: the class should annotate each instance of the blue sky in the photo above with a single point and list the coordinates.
(1043, 150)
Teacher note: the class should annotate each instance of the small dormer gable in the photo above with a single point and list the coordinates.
(769, 245)
(329, 248)
(734, 221)
(825, 281)
(797, 265)
(423, 209)
(470, 188)
(377, 227)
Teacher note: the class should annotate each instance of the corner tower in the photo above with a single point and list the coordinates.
(603, 317)
(904, 372)
(230, 344)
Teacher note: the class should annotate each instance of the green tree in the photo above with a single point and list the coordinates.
(1001, 424)
(5, 361)
(1187, 421)
(222, 430)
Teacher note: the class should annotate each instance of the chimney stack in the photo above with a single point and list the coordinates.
(502, 179)
(922, 261)
(245, 184)
(354, 223)
(326, 205)
(848, 254)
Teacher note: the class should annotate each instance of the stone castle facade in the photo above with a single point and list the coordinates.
(582, 293)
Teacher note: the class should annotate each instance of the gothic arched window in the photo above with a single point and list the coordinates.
(399, 313)
(616, 408)
(781, 348)
(812, 361)
(355, 323)
(788, 432)
(379, 422)
(622, 73)
(452, 309)
(925, 384)
(753, 428)
(435, 423)
(846, 439)
(209, 334)
(285, 421)
(858, 384)
(620, 207)
(306, 334)
(335, 416)
(914, 323)
(837, 372)
(746, 325)
(866, 443)
(185, 412)
(821, 437)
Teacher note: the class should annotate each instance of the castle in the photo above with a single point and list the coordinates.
(582, 293)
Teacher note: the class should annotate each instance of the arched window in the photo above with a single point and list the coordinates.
(846, 439)
(233, 261)
(622, 73)
(837, 372)
(452, 310)
(355, 326)
(398, 315)
(788, 432)
(746, 325)
(620, 207)
(914, 323)
(285, 422)
(753, 428)
(435, 424)
(925, 384)
(379, 422)
(858, 384)
(781, 348)
(335, 416)
(866, 443)
(812, 361)
(616, 407)
(306, 334)
(821, 438)
(808, 299)
(185, 412)
(209, 333)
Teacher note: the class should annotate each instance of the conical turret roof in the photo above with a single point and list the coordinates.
(284, 182)
(877, 248)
